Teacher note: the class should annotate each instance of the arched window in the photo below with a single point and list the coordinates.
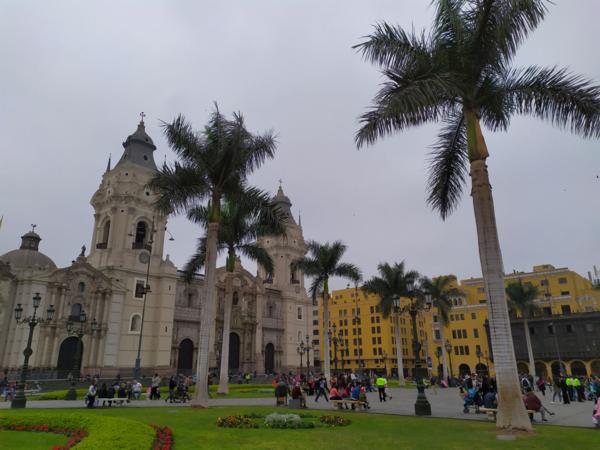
(81, 286)
(141, 232)
(75, 312)
(135, 323)
(269, 310)
(236, 299)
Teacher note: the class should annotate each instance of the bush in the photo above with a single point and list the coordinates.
(236, 422)
(276, 420)
(334, 421)
(103, 432)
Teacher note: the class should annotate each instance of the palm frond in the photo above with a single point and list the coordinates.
(448, 164)
(258, 254)
(196, 261)
(553, 94)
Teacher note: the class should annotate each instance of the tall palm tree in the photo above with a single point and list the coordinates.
(211, 163)
(441, 292)
(393, 284)
(461, 73)
(521, 300)
(323, 262)
(244, 218)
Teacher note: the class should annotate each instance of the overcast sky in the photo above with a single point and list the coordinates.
(75, 76)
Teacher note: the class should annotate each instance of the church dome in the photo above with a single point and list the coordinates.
(139, 148)
(28, 255)
(284, 203)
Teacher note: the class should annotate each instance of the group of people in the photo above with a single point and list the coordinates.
(130, 390)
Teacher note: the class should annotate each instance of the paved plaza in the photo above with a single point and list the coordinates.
(445, 403)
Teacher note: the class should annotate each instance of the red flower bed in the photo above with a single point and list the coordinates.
(164, 438)
(75, 436)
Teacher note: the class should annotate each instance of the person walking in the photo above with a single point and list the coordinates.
(91, 395)
(381, 383)
(578, 388)
(154, 392)
(322, 389)
(541, 385)
(556, 390)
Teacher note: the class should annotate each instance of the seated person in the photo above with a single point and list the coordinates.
(533, 403)
(298, 394)
(355, 392)
(334, 394)
(490, 400)
(346, 392)
(281, 393)
(363, 397)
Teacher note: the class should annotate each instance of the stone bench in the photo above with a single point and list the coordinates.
(356, 404)
(492, 412)
(112, 401)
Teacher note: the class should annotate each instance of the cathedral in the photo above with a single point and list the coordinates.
(125, 287)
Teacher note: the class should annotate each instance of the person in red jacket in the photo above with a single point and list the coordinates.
(533, 403)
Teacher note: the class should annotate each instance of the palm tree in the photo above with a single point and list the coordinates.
(521, 300)
(460, 73)
(441, 291)
(393, 284)
(212, 163)
(323, 262)
(244, 218)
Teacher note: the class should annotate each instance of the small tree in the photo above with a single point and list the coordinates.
(521, 300)
(442, 292)
(322, 263)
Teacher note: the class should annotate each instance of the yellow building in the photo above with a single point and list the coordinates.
(367, 338)
(565, 298)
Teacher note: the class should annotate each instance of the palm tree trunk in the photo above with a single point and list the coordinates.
(224, 371)
(326, 359)
(444, 355)
(207, 321)
(511, 411)
(400, 362)
(529, 347)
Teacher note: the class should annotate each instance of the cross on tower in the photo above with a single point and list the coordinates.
(142, 115)
(33, 225)
(280, 181)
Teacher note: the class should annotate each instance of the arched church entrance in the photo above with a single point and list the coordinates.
(67, 354)
(234, 352)
(269, 358)
(185, 357)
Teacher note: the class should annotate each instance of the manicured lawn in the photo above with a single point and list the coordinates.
(196, 429)
(30, 440)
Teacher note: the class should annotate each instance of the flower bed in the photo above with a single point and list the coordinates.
(88, 433)
(281, 421)
(164, 438)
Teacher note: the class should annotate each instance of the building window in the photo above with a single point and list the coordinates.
(466, 349)
(435, 318)
(550, 329)
(464, 334)
(236, 299)
(562, 281)
(299, 313)
(81, 286)
(566, 309)
(453, 334)
(75, 312)
(141, 230)
(437, 335)
(531, 331)
(477, 348)
(473, 316)
(475, 332)
(106, 232)
(482, 301)
(462, 317)
(315, 332)
(544, 283)
(316, 322)
(569, 328)
(139, 289)
(456, 350)
(565, 293)
(135, 323)
(378, 329)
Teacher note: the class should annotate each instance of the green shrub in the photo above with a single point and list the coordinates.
(334, 421)
(104, 432)
(277, 420)
(236, 422)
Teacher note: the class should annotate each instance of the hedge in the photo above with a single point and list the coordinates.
(104, 432)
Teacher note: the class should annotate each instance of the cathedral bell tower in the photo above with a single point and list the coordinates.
(127, 228)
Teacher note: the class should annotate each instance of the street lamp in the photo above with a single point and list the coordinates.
(479, 354)
(448, 346)
(301, 350)
(308, 348)
(138, 368)
(336, 339)
(20, 401)
(79, 331)
(385, 363)
(560, 364)
(438, 353)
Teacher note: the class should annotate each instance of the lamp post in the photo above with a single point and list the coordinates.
(301, 350)
(356, 325)
(385, 363)
(308, 348)
(79, 331)
(479, 354)
(560, 363)
(138, 368)
(342, 348)
(448, 346)
(438, 353)
(20, 401)
(336, 340)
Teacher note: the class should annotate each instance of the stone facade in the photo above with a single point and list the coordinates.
(125, 259)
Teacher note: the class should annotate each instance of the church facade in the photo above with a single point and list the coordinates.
(125, 287)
